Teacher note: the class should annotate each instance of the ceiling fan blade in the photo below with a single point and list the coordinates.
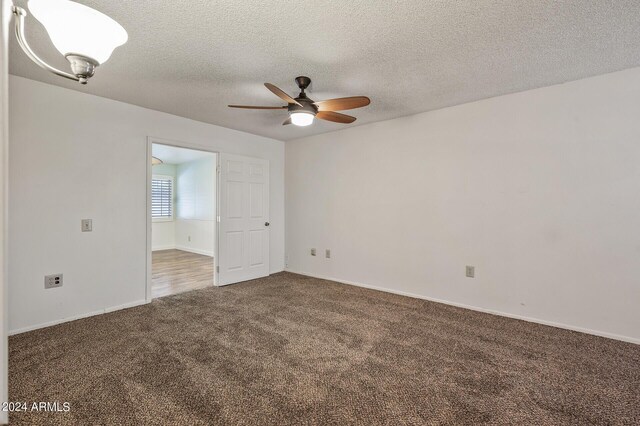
(341, 104)
(256, 107)
(281, 94)
(287, 121)
(335, 117)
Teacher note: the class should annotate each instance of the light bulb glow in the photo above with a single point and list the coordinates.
(301, 118)
(78, 29)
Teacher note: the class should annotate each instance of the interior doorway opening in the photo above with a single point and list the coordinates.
(183, 208)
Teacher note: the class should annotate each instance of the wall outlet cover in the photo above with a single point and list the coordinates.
(327, 254)
(313, 252)
(53, 281)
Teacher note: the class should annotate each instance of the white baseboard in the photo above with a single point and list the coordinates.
(167, 247)
(476, 308)
(77, 317)
(196, 251)
(125, 306)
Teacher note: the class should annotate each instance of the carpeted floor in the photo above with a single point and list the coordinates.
(288, 350)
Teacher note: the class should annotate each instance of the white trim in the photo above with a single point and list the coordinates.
(476, 308)
(77, 317)
(163, 219)
(125, 306)
(5, 24)
(193, 250)
(150, 141)
(167, 247)
(216, 240)
(149, 247)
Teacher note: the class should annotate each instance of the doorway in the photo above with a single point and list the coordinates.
(183, 207)
(235, 247)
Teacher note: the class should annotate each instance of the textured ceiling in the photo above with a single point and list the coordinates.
(193, 57)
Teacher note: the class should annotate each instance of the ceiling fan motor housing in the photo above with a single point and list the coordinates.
(307, 105)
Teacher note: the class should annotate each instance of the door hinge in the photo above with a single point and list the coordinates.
(218, 269)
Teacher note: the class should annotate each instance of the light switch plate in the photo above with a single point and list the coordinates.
(327, 254)
(87, 225)
(470, 271)
(313, 252)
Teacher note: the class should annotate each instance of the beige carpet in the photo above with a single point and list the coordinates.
(288, 350)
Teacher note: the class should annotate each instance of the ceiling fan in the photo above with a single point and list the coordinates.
(302, 109)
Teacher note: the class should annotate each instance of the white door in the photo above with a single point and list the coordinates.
(243, 250)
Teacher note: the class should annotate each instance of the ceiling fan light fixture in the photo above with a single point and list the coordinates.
(302, 118)
(303, 110)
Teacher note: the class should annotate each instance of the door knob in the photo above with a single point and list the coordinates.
(266, 224)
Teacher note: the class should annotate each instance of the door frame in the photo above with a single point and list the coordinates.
(178, 144)
(5, 25)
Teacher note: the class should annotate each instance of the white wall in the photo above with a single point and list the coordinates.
(196, 206)
(5, 16)
(163, 233)
(77, 156)
(539, 190)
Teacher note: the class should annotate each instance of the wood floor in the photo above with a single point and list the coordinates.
(177, 271)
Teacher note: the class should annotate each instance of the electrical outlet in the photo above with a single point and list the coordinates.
(470, 271)
(87, 225)
(53, 281)
(313, 252)
(327, 254)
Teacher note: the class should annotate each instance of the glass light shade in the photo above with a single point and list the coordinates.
(76, 28)
(301, 118)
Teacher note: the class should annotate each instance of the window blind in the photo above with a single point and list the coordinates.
(161, 198)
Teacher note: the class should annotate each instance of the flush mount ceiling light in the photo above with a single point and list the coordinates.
(155, 161)
(303, 110)
(83, 35)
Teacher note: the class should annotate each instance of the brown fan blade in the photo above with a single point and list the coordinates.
(287, 121)
(281, 94)
(341, 104)
(335, 117)
(256, 107)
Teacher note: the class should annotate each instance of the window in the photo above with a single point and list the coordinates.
(161, 198)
